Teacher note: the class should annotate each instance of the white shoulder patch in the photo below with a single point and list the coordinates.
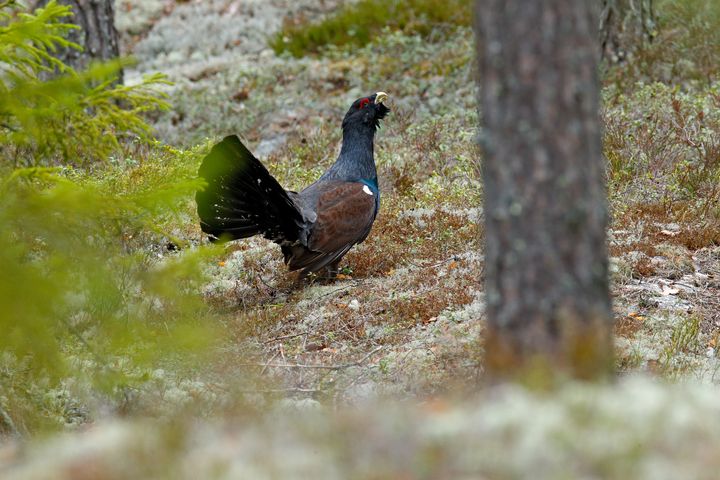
(367, 190)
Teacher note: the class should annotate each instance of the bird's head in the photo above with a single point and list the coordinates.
(367, 111)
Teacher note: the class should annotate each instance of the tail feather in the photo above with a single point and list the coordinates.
(242, 199)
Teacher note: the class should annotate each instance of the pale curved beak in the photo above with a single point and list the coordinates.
(380, 97)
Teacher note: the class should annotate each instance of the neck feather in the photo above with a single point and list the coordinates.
(356, 160)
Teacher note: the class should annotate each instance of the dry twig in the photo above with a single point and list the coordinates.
(322, 367)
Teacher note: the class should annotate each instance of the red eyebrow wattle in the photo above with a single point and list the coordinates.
(364, 102)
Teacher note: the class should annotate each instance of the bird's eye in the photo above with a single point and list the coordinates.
(364, 102)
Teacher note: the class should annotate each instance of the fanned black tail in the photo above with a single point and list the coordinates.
(242, 199)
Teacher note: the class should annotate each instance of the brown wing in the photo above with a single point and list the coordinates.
(345, 214)
(344, 217)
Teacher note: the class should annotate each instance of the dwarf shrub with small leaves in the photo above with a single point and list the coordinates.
(663, 145)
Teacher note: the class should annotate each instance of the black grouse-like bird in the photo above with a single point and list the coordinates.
(316, 227)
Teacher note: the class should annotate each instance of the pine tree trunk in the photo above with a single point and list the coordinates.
(546, 269)
(624, 26)
(97, 34)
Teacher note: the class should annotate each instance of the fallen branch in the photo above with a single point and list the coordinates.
(322, 367)
(285, 337)
(280, 390)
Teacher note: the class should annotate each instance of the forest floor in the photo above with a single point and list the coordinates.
(403, 326)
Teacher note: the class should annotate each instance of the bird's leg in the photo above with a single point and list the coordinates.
(326, 275)
(332, 270)
(304, 279)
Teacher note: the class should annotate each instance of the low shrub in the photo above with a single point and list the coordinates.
(357, 23)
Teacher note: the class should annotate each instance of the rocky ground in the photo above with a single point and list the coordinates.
(405, 320)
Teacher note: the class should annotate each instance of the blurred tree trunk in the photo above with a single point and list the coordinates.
(546, 260)
(97, 34)
(624, 26)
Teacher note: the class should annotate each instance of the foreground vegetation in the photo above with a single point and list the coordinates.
(85, 298)
(113, 300)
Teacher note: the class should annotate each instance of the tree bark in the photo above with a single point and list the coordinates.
(97, 34)
(546, 268)
(624, 26)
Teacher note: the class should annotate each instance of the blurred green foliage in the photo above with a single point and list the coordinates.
(357, 23)
(50, 113)
(89, 294)
(81, 296)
